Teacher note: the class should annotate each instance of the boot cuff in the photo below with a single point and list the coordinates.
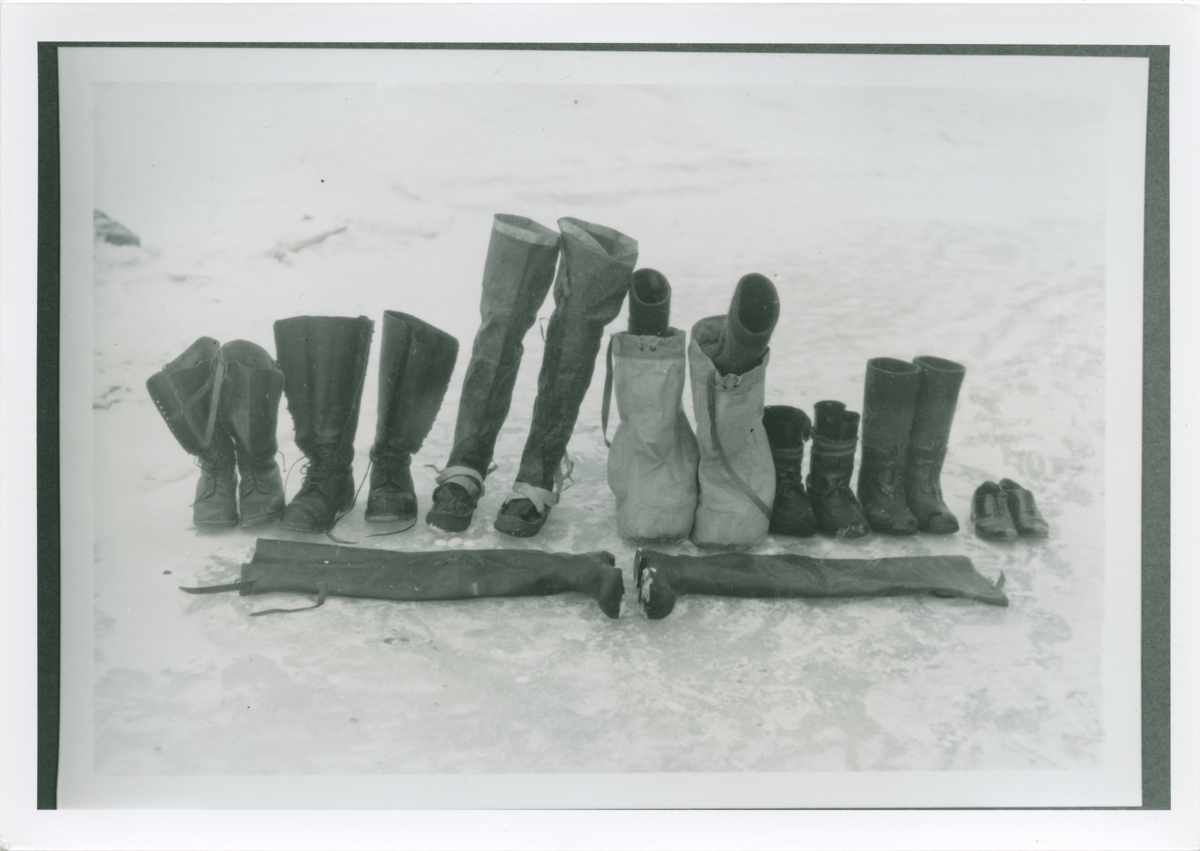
(787, 427)
(600, 239)
(754, 311)
(247, 354)
(526, 230)
(672, 344)
(935, 364)
(892, 365)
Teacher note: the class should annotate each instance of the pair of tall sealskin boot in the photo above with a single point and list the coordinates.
(324, 362)
(222, 405)
(219, 400)
(719, 484)
(593, 277)
(908, 409)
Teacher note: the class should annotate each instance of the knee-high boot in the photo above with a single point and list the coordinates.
(516, 277)
(249, 404)
(889, 401)
(937, 397)
(728, 357)
(324, 363)
(592, 281)
(416, 361)
(183, 393)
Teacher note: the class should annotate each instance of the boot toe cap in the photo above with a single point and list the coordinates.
(940, 524)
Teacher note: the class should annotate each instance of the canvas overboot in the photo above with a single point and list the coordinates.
(593, 278)
(787, 430)
(937, 397)
(649, 304)
(183, 392)
(653, 457)
(416, 361)
(517, 275)
(250, 394)
(831, 468)
(324, 363)
(736, 475)
(889, 402)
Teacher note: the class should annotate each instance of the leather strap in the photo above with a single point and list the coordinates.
(322, 590)
(720, 450)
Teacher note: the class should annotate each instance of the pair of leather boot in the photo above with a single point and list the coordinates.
(222, 405)
(593, 277)
(324, 361)
(908, 409)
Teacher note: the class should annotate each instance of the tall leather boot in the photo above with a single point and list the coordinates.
(937, 397)
(324, 363)
(889, 402)
(516, 277)
(736, 475)
(183, 393)
(592, 281)
(250, 393)
(416, 361)
(653, 457)
(787, 430)
(831, 468)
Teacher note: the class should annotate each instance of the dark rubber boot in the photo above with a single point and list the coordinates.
(324, 363)
(991, 515)
(416, 361)
(183, 393)
(593, 278)
(516, 277)
(748, 326)
(250, 396)
(835, 439)
(1028, 521)
(889, 401)
(787, 430)
(937, 397)
(649, 304)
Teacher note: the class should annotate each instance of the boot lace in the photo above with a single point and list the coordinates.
(210, 467)
(392, 466)
(319, 469)
(253, 478)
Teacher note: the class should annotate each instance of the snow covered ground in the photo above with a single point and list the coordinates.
(899, 222)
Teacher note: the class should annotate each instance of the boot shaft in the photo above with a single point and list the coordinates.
(182, 391)
(649, 304)
(249, 401)
(937, 398)
(747, 327)
(889, 403)
(416, 361)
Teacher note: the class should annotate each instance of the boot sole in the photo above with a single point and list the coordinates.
(403, 522)
(517, 527)
(259, 521)
(215, 524)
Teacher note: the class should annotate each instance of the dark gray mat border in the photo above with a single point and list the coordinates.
(1156, 364)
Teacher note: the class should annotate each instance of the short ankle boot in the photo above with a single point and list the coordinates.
(937, 397)
(517, 275)
(416, 361)
(324, 363)
(787, 430)
(889, 401)
(183, 392)
(249, 402)
(831, 468)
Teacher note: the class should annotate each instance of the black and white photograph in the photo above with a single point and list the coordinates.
(579, 427)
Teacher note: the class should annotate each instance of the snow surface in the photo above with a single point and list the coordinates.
(900, 222)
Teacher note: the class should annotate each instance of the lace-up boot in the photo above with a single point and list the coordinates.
(736, 474)
(517, 275)
(937, 397)
(889, 401)
(324, 363)
(416, 361)
(1028, 521)
(787, 430)
(592, 281)
(990, 513)
(183, 392)
(831, 468)
(249, 413)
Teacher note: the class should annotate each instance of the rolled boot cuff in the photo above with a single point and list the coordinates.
(649, 304)
(833, 448)
(602, 240)
(526, 230)
(541, 498)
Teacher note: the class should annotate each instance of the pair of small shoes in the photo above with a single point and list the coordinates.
(454, 506)
(1006, 511)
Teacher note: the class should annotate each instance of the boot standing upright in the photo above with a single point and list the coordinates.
(324, 363)
(937, 398)
(728, 357)
(591, 285)
(889, 404)
(517, 275)
(787, 430)
(653, 457)
(416, 361)
(183, 393)
(249, 413)
(831, 469)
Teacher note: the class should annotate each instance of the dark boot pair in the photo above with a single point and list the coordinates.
(1006, 511)
(324, 362)
(222, 405)
(592, 280)
(908, 409)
